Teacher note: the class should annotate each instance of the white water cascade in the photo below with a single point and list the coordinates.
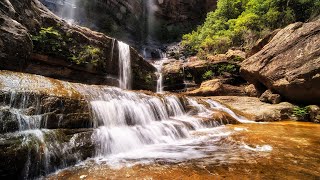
(134, 126)
(125, 78)
(159, 66)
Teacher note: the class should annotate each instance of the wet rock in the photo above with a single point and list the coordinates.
(217, 87)
(8, 121)
(269, 97)
(173, 75)
(289, 64)
(314, 113)
(253, 109)
(219, 118)
(25, 155)
(32, 101)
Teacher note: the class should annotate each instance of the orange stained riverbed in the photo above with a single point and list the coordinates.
(280, 150)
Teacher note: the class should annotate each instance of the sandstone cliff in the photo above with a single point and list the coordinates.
(289, 64)
(34, 40)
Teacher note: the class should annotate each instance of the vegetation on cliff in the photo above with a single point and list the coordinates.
(241, 23)
(51, 41)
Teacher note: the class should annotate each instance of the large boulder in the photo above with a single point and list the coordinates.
(34, 40)
(289, 64)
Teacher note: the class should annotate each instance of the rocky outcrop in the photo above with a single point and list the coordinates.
(222, 66)
(269, 97)
(137, 21)
(45, 124)
(253, 109)
(217, 87)
(289, 64)
(314, 113)
(34, 40)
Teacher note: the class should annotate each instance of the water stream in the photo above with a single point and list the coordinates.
(125, 76)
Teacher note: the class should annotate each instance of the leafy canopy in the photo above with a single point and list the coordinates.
(241, 22)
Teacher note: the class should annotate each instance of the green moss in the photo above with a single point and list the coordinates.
(88, 54)
(52, 42)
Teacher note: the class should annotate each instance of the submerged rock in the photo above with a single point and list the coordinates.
(289, 64)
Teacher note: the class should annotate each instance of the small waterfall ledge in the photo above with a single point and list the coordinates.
(54, 124)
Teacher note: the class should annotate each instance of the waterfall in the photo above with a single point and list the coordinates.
(159, 65)
(126, 126)
(124, 66)
(126, 121)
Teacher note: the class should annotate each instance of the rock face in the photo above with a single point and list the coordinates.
(34, 40)
(289, 64)
(36, 111)
(130, 21)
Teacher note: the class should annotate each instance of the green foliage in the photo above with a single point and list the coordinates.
(88, 54)
(51, 42)
(208, 75)
(229, 68)
(300, 112)
(242, 22)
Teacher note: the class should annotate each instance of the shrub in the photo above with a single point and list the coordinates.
(232, 21)
(300, 112)
(208, 75)
(51, 42)
(89, 54)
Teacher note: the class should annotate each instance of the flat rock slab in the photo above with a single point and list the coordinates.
(254, 109)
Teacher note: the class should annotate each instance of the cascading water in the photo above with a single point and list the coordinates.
(125, 77)
(127, 127)
(46, 149)
(134, 126)
(159, 65)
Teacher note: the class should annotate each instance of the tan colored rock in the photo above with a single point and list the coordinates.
(314, 113)
(236, 55)
(251, 91)
(216, 87)
(219, 118)
(253, 109)
(270, 97)
(289, 64)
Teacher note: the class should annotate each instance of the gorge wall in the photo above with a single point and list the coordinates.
(129, 20)
(34, 40)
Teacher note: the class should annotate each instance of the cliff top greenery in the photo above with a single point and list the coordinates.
(240, 23)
